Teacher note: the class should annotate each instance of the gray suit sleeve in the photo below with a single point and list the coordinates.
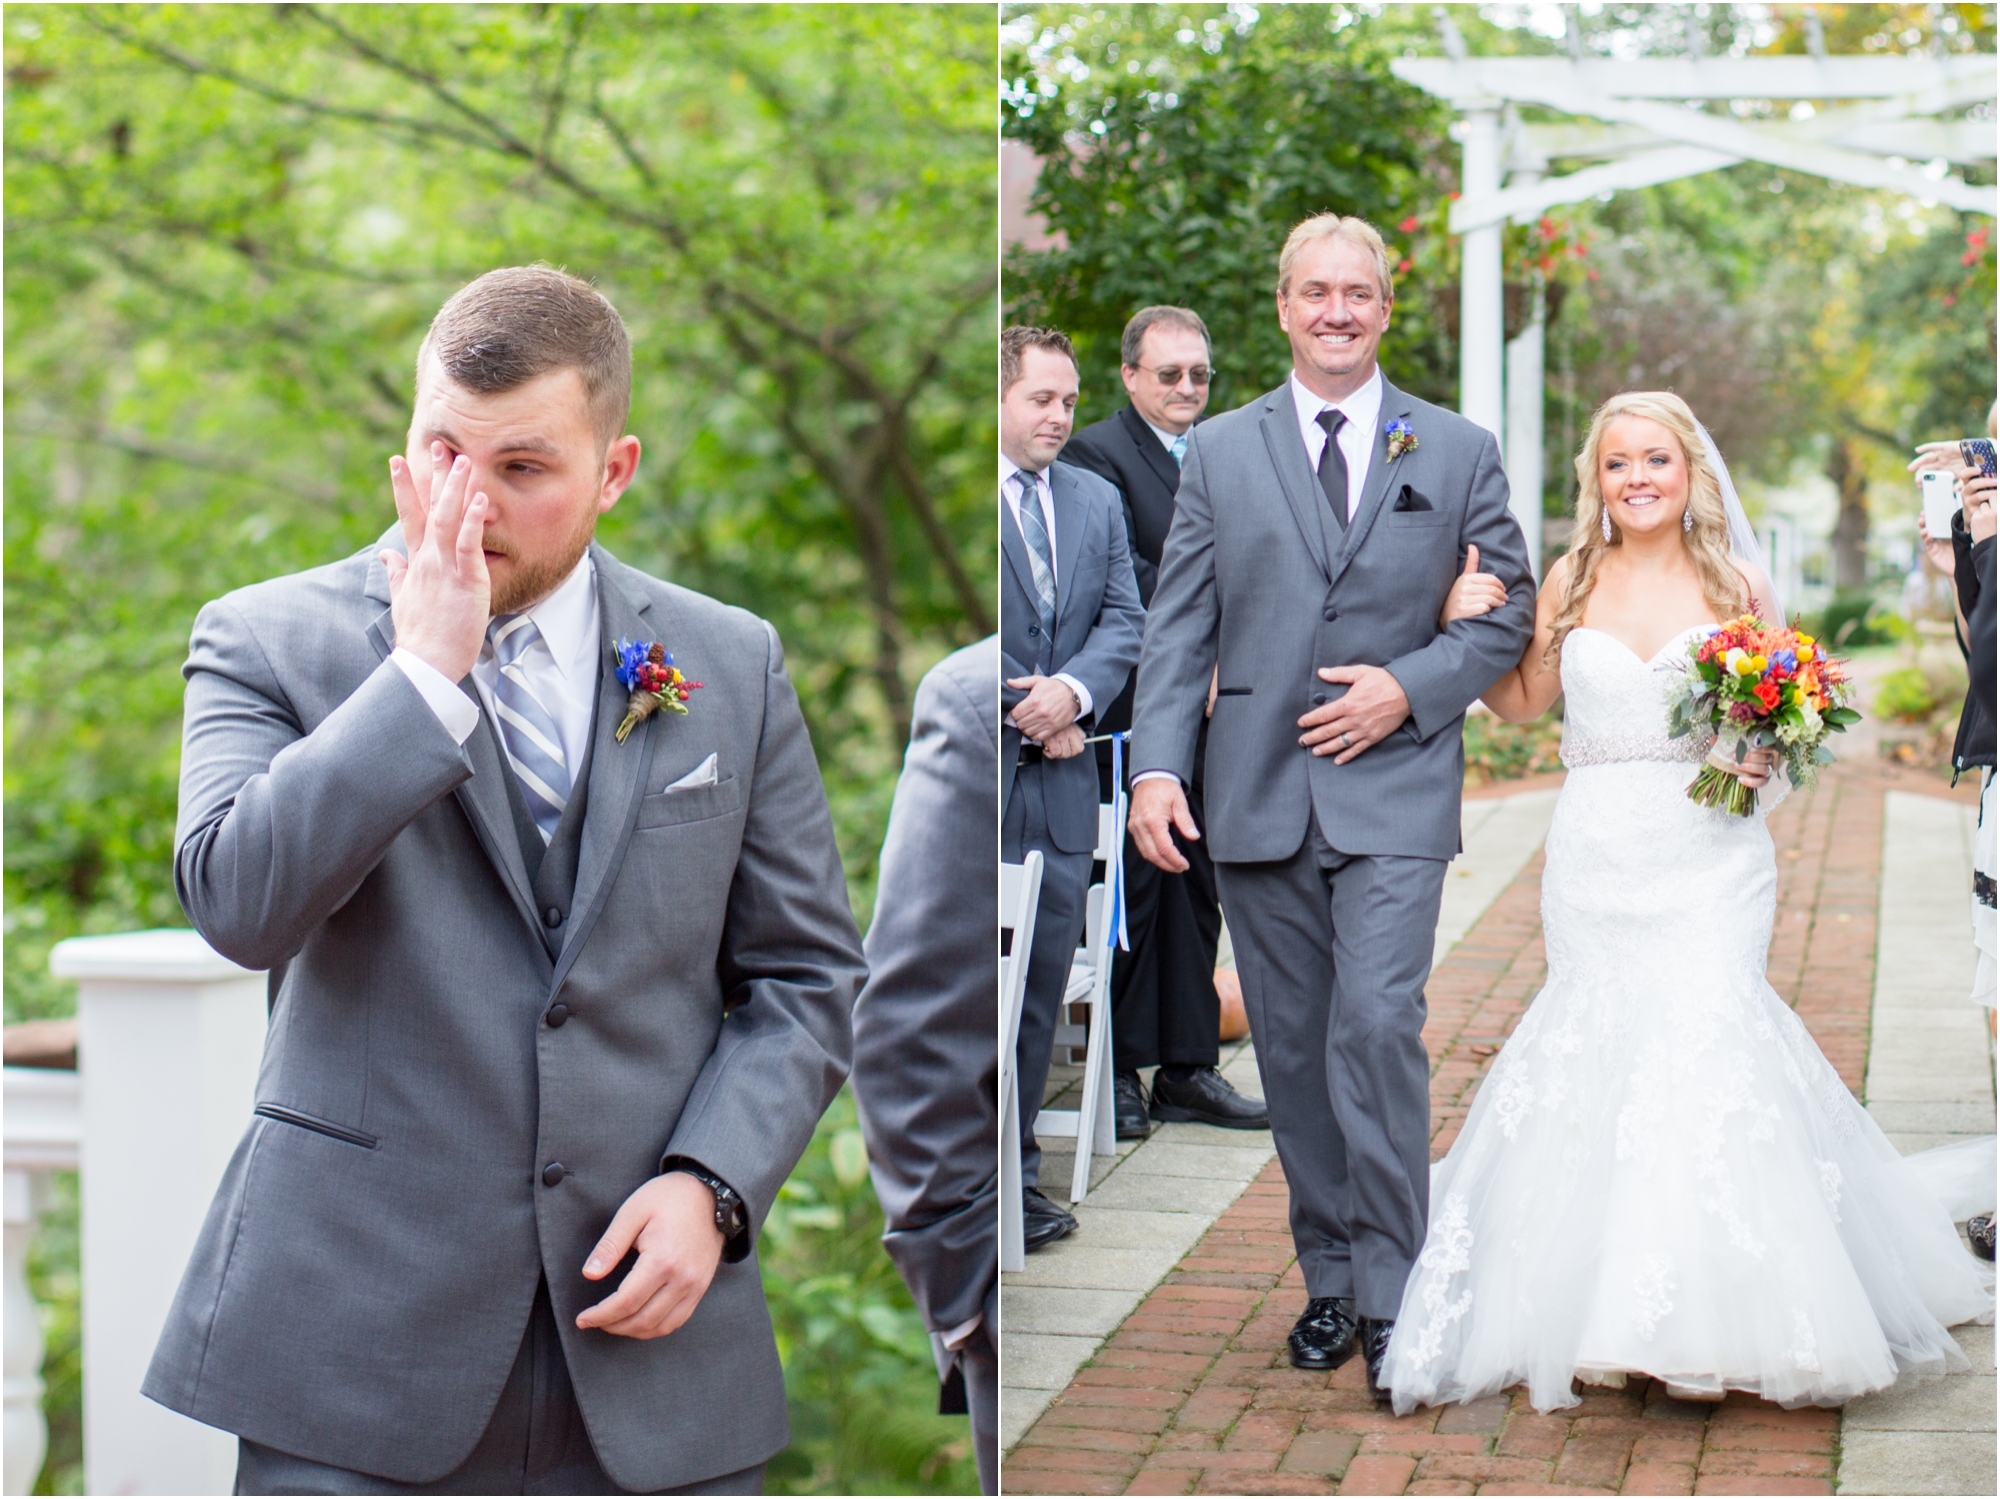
(1443, 678)
(1111, 649)
(278, 827)
(790, 966)
(1180, 633)
(925, 1070)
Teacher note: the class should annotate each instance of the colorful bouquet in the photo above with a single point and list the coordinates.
(1769, 689)
(647, 672)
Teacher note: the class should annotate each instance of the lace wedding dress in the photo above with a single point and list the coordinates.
(1661, 1174)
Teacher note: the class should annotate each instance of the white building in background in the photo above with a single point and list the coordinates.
(1795, 521)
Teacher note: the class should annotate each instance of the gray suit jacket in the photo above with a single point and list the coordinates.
(1258, 576)
(926, 1076)
(1098, 623)
(366, 1271)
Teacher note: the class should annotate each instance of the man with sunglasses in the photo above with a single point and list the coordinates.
(1165, 1012)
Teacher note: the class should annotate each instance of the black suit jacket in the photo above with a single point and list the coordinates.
(1123, 449)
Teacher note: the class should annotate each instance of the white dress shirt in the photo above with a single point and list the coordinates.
(1363, 411)
(1167, 439)
(561, 667)
(1010, 491)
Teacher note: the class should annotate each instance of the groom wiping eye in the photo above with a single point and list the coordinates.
(510, 875)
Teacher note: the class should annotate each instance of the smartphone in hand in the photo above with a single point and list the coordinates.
(1940, 493)
(1977, 453)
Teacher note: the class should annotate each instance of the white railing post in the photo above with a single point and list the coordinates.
(170, 1034)
(41, 1138)
(1481, 315)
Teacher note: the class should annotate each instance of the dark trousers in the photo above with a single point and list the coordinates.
(979, 1361)
(1164, 1008)
(1333, 951)
(534, 1444)
(1058, 930)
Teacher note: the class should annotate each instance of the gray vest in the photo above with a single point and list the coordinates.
(551, 865)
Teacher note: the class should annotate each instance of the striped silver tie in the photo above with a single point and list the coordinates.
(1041, 557)
(527, 728)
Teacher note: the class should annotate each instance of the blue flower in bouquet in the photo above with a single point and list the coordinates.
(632, 656)
(1401, 439)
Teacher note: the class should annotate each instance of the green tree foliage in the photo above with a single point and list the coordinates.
(1181, 143)
(227, 228)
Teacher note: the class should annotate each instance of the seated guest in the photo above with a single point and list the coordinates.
(925, 1073)
(1069, 637)
(1165, 1012)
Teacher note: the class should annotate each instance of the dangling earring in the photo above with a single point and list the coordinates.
(1687, 520)
(1604, 517)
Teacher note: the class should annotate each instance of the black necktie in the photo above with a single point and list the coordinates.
(1333, 465)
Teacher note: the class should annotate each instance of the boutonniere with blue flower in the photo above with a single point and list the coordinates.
(649, 674)
(1401, 439)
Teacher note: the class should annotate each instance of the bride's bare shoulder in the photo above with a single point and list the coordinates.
(1557, 579)
(1757, 587)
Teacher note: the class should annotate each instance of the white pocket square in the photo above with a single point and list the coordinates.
(702, 775)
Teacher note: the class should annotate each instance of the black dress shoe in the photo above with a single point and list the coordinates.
(1980, 1231)
(1042, 1222)
(1199, 1095)
(1323, 1338)
(1373, 1337)
(1128, 1105)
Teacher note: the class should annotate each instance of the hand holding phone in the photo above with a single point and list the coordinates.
(1940, 493)
(1977, 453)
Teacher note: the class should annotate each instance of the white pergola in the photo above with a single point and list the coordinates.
(1863, 120)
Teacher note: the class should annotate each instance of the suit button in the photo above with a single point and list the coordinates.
(1319, 699)
(552, 916)
(557, 1014)
(553, 1173)
(1331, 614)
(1034, 629)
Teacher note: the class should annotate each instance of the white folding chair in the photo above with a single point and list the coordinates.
(1094, 1124)
(1020, 890)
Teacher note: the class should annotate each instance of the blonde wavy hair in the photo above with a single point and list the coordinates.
(1707, 543)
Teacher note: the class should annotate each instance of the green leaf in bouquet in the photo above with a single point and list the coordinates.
(1822, 755)
(1840, 718)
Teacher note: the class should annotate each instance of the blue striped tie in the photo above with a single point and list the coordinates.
(1041, 558)
(527, 728)
(1179, 449)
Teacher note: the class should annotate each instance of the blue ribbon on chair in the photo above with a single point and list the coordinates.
(1117, 922)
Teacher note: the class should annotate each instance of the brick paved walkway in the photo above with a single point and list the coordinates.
(1192, 1394)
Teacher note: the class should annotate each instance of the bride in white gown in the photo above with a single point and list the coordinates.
(1662, 1175)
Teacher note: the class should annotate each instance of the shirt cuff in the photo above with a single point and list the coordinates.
(1082, 693)
(453, 708)
(956, 1338)
(1156, 775)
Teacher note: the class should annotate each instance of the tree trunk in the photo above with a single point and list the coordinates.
(1850, 532)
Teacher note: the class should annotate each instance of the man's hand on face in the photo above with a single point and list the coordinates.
(439, 596)
(1048, 709)
(671, 1222)
(1373, 708)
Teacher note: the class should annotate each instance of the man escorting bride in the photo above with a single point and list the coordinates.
(1662, 1174)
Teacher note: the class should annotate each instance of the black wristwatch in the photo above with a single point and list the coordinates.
(732, 1218)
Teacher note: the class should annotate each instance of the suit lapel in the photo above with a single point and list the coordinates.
(1016, 549)
(1069, 534)
(1280, 424)
(617, 771)
(1381, 469)
(1152, 452)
